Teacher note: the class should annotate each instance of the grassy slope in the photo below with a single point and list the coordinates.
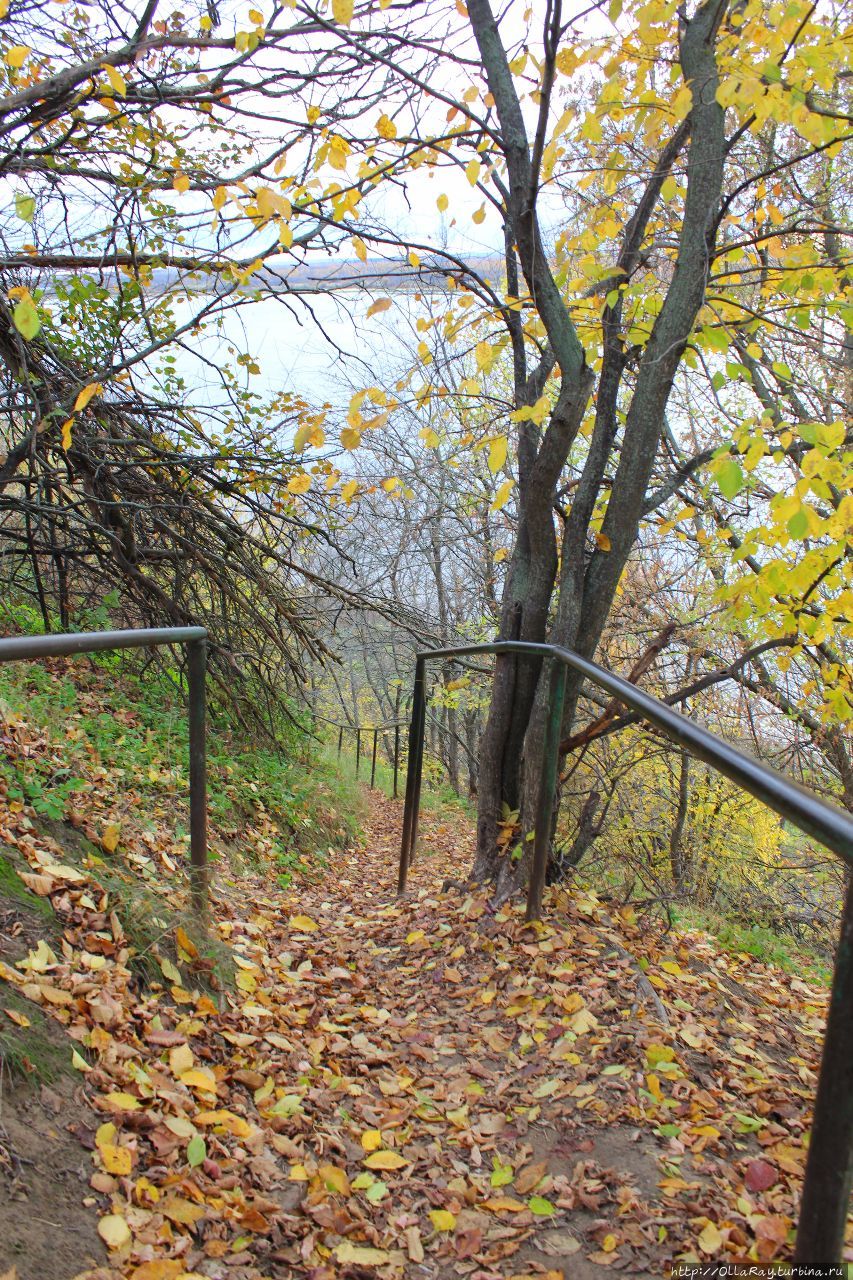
(94, 761)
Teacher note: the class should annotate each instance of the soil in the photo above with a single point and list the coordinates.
(47, 1232)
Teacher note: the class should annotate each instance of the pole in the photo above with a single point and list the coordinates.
(373, 761)
(396, 756)
(340, 740)
(196, 668)
(826, 1184)
(547, 788)
(357, 751)
(416, 729)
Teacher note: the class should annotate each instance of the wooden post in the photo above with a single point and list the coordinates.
(416, 735)
(829, 1167)
(547, 788)
(340, 740)
(196, 669)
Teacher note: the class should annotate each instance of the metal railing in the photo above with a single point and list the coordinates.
(829, 1167)
(22, 648)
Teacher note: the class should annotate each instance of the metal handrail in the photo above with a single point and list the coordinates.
(829, 1167)
(21, 648)
(813, 815)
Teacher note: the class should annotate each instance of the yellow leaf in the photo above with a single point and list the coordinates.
(180, 182)
(349, 490)
(114, 1231)
(181, 1059)
(335, 1179)
(505, 1204)
(285, 235)
(502, 495)
(109, 840)
(386, 128)
(78, 1062)
(255, 16)
(608, 1244)
(220, 195)
(313, 114)
(484, 354)
(360, 248)
(88, 393)
(350, 438)
(181, 1211)
(442, 1219)
(497, 454)
(342, 11)
(381, 304)
(186, 943)
(480, 215)
(500, 554)
(21, 1020)
(362, 1254)
(299, 484)
(371, 1139)
(472, 171)
(117, 80)
(385, 1160)
(159, 1269)
(442, 203)
(66, 433)
(122, 1101)
(235, 1125)
(710, 1240)
(169, 970)
(198, 1078)
(602, 542)
(303, 924)
(116, 1159)
(17, 55)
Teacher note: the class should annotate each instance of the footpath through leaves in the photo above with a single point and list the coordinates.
(425, 1088)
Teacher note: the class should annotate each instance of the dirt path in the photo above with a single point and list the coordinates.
(423, 1088)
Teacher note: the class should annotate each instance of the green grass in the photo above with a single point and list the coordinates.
(109, 728)
(15, 892)
(781, 950)
(437, 794)
(40, 1051)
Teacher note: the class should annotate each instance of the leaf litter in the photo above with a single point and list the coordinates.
(425, 1087)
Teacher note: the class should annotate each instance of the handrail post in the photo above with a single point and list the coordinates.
(196, 669)
(357, 751)
(547, 787)
(829, 1166)
(396, 756)
(373, 761)
(416, 733)
(340, 740)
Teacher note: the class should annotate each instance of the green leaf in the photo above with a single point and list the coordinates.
(540, 1206)
(25, 206)
(730, 478)
(196, 1151)
(501, 1174)
(716, 339)
(798, 525)
(376, 1192)
(26, 320)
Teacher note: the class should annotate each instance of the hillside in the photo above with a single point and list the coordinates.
(337, 1083)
